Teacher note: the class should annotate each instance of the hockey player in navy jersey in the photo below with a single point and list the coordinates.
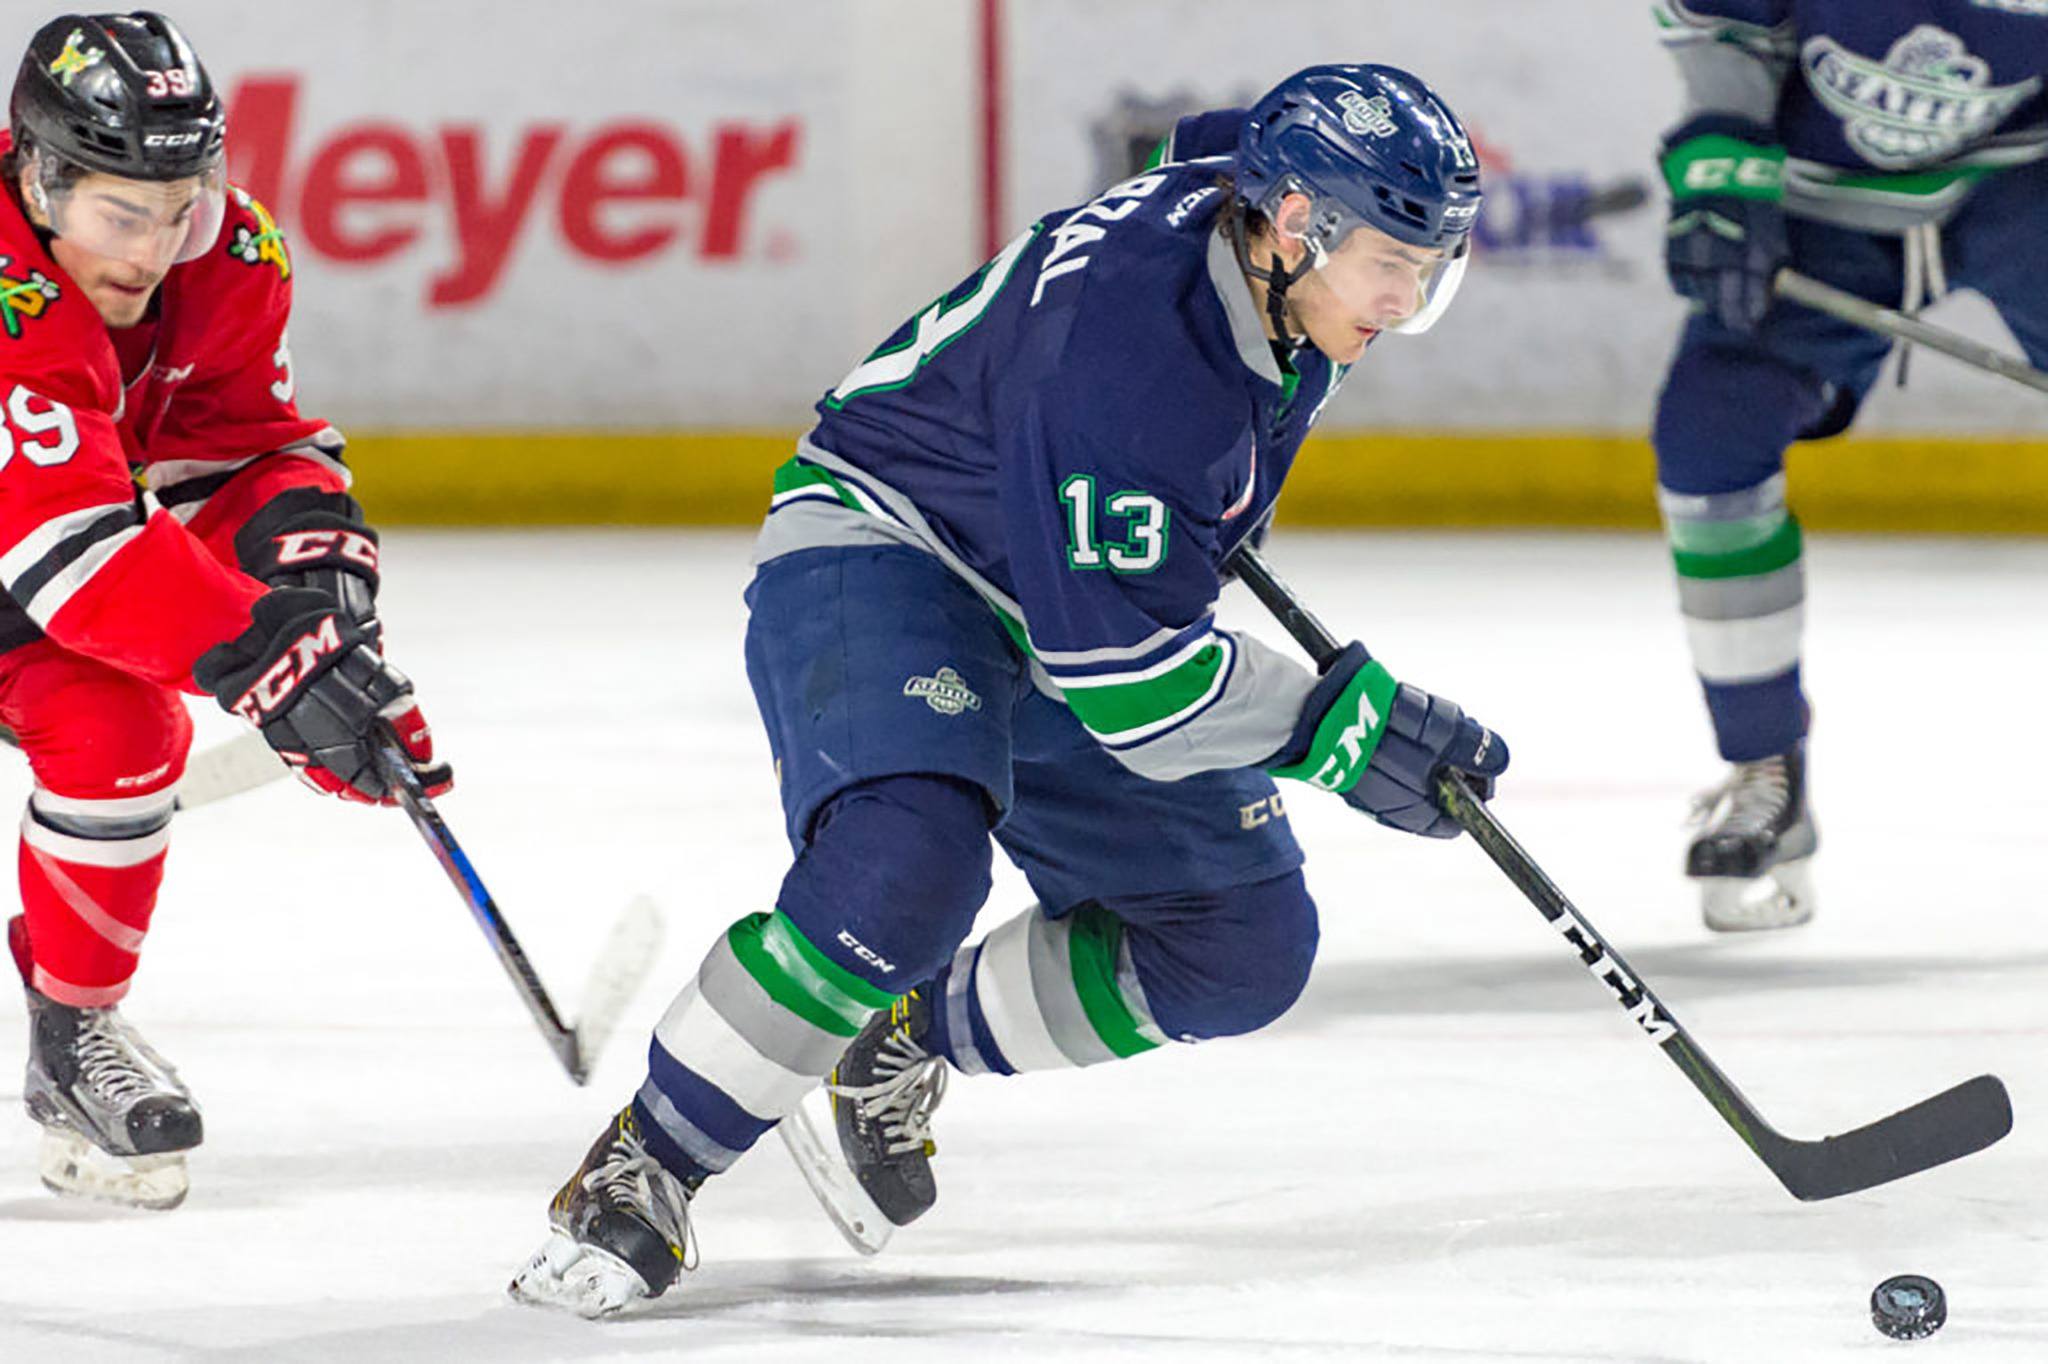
(984, 605)
(1889, 148)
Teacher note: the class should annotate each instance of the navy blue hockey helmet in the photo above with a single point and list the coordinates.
(1371, 146)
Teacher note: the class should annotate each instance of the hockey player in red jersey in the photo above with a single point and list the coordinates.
(168, 522)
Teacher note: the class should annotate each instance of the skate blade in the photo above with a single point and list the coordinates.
(1781, 898)
(569, 1276)
(831, 1182)
(75, 1168)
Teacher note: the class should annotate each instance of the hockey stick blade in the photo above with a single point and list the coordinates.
(618, 971)
(1953, 1124)
(228, 768)
(240, 764)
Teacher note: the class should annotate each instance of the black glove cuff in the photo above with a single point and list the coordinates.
(304, 535)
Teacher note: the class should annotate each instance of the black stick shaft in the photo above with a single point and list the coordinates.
(1606, 964)
(440, 840)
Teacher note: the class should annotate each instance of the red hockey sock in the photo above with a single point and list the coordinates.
(107, 749)
(87, 901)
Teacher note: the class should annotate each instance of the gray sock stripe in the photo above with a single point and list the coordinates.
(967, 1058)
(768, 1027)
(685, 1133)
(1059, 1001)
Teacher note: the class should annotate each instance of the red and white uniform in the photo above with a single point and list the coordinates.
(129, 460)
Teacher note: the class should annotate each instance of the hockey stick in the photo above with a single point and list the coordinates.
(1859, 312)
(1627, 195)
(240, 764)
(1934, 1131)
(228, 768)
(621, 965)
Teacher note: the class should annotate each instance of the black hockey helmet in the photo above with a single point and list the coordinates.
(123, 94)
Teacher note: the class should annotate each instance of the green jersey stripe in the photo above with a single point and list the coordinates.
(1122, 710)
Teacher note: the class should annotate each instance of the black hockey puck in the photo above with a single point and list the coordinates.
(1908, 1307)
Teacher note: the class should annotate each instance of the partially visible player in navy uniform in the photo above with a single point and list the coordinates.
(984, 604)
(1888, 148)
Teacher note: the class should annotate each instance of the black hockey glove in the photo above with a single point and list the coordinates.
(1726, 239)
(305, 675)
(309, 537)
(1380, 744)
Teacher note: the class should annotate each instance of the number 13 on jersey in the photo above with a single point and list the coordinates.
(1142, 517)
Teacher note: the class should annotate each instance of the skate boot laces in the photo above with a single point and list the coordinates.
(630, 1177)
(902, 1101)
(115, 1063)
(1752, 799)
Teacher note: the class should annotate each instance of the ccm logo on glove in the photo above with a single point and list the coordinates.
(300, 659)
(316, 546)
(1344, 762)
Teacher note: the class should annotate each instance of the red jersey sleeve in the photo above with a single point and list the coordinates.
(231, 438)
(98, 565)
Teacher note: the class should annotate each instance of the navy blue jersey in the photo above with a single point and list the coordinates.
(1083, 430)
(1888, 109)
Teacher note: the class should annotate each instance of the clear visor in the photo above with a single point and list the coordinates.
(1388, 284)
(151, 224)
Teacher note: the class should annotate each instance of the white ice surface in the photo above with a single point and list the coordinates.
(1455, 1147)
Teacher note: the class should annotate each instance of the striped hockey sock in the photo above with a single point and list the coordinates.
(90, 870)
(1040, 993)
(1742, 591)
(763, 1022)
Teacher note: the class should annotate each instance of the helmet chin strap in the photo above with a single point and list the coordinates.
(1278, 279)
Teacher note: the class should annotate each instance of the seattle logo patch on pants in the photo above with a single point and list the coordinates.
(946, 692)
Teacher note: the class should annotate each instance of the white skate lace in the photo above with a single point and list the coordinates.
(109, 1060)
(630, 1176)
(1750, 801)
(902, 1101)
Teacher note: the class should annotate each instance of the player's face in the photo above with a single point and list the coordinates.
(119, 238)
(1370, 283)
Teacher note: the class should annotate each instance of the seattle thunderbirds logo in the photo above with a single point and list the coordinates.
(947, 692)
(1927, 100)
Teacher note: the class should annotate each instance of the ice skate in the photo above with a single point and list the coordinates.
(884, 1091)
(621, 1230)
(116, 1120)
(877, 1176)
(1753, 855)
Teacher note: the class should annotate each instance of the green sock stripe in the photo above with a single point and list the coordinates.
(784, 935)
(1781, 550)
(1091, 951)
(1132, 705)
(800, 978)
(1338, 755)
(1725, 536)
